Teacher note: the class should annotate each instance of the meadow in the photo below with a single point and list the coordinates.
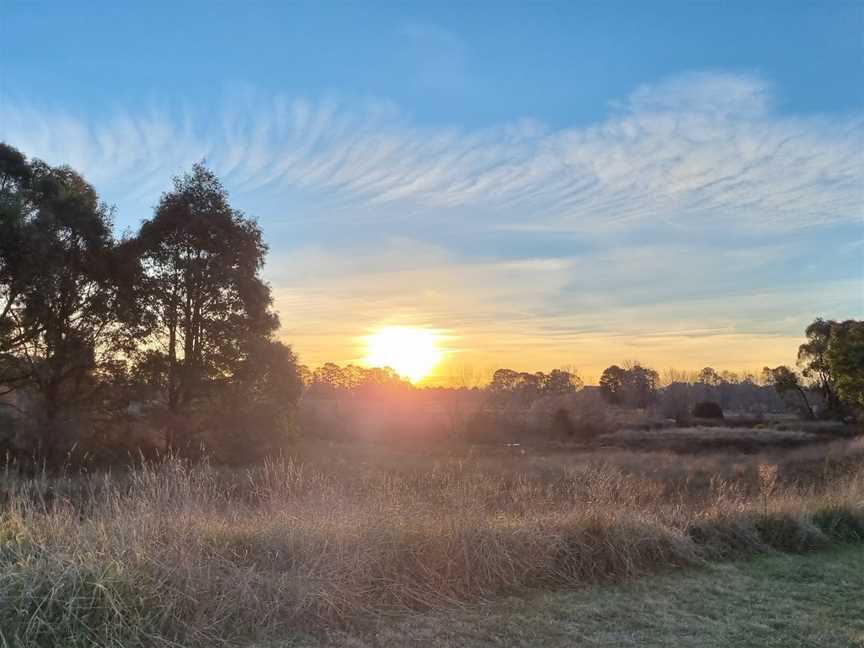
(351, 537)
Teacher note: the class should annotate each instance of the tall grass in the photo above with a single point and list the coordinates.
(171, 554)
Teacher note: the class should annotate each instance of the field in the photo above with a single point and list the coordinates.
(779, 601)
(341, 541)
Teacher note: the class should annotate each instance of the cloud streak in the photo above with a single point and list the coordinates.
(695, 150)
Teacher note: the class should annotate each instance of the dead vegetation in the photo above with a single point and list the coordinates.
(343, 534)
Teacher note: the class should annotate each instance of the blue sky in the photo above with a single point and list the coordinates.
(543, 183)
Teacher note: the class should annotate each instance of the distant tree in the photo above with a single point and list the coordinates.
(845, 359)
(640, 386)
(205, 301)
(814, 363)
(709, 376)
(612, 384)
(328, 378)
(786, 381)
(729, 377)
(305, 375)
(508, 387)
(504, 380)
(559, 381)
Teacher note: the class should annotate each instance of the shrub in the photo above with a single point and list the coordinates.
(707, 410)
(579, 416)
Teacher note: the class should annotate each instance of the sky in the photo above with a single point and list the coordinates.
(542, 184)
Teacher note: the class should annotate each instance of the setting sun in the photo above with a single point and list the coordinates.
(411, 352)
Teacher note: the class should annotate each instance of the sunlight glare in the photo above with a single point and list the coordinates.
(411, 352)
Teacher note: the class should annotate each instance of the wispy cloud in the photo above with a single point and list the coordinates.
(702, 216)
(695, 150)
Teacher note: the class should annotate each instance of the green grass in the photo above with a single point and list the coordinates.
(787, 601)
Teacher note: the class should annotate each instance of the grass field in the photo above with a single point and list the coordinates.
(781, 601)
(341, 537)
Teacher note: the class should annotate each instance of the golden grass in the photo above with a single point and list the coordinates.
(197, 556)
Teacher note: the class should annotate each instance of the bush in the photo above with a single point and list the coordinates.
(707, 410)
(580, 416)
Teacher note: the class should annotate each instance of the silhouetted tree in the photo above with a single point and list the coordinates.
(640, 386)
(200, 262)
(559, 381)
(519, 389)
(612, 384)
(787, 381)
(17, 262)
(708, 376)
(61, 285)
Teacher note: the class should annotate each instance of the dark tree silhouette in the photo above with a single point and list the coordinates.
(708, 410)
(612, 384)
(62, 311)
(786, 381)
(200, 261)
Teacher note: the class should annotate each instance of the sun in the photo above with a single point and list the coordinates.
(411, 352)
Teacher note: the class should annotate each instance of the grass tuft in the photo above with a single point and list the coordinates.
(171, 554)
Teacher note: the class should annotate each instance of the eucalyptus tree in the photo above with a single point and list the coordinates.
(203, 297)
(61, 282)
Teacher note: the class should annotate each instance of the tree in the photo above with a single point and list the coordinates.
(328, 378)
(813, 360)
(63, 310)
(253, 414)
(519, 389)
(709, 376)
(17, 264)
(612, 384)
(640, 386)
(787, 381)
(845, 359)
(559, 381)
(200, 261)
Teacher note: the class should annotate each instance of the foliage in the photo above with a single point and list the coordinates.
(708, 410)
(845, 362)
(635, 386)
(786, 381)
(173, 325)
(612, 384)
(813, 359)
(199, 282)
(253, 414)
(65, 314)
(518, 389)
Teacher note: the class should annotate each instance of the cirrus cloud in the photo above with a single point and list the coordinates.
(701, 148)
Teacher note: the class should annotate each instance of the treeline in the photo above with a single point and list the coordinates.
(104, 340)
(354, 402)
(163, 341)
(827, 384)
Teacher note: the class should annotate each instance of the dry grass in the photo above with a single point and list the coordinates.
(689, 440)
(171, 555)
